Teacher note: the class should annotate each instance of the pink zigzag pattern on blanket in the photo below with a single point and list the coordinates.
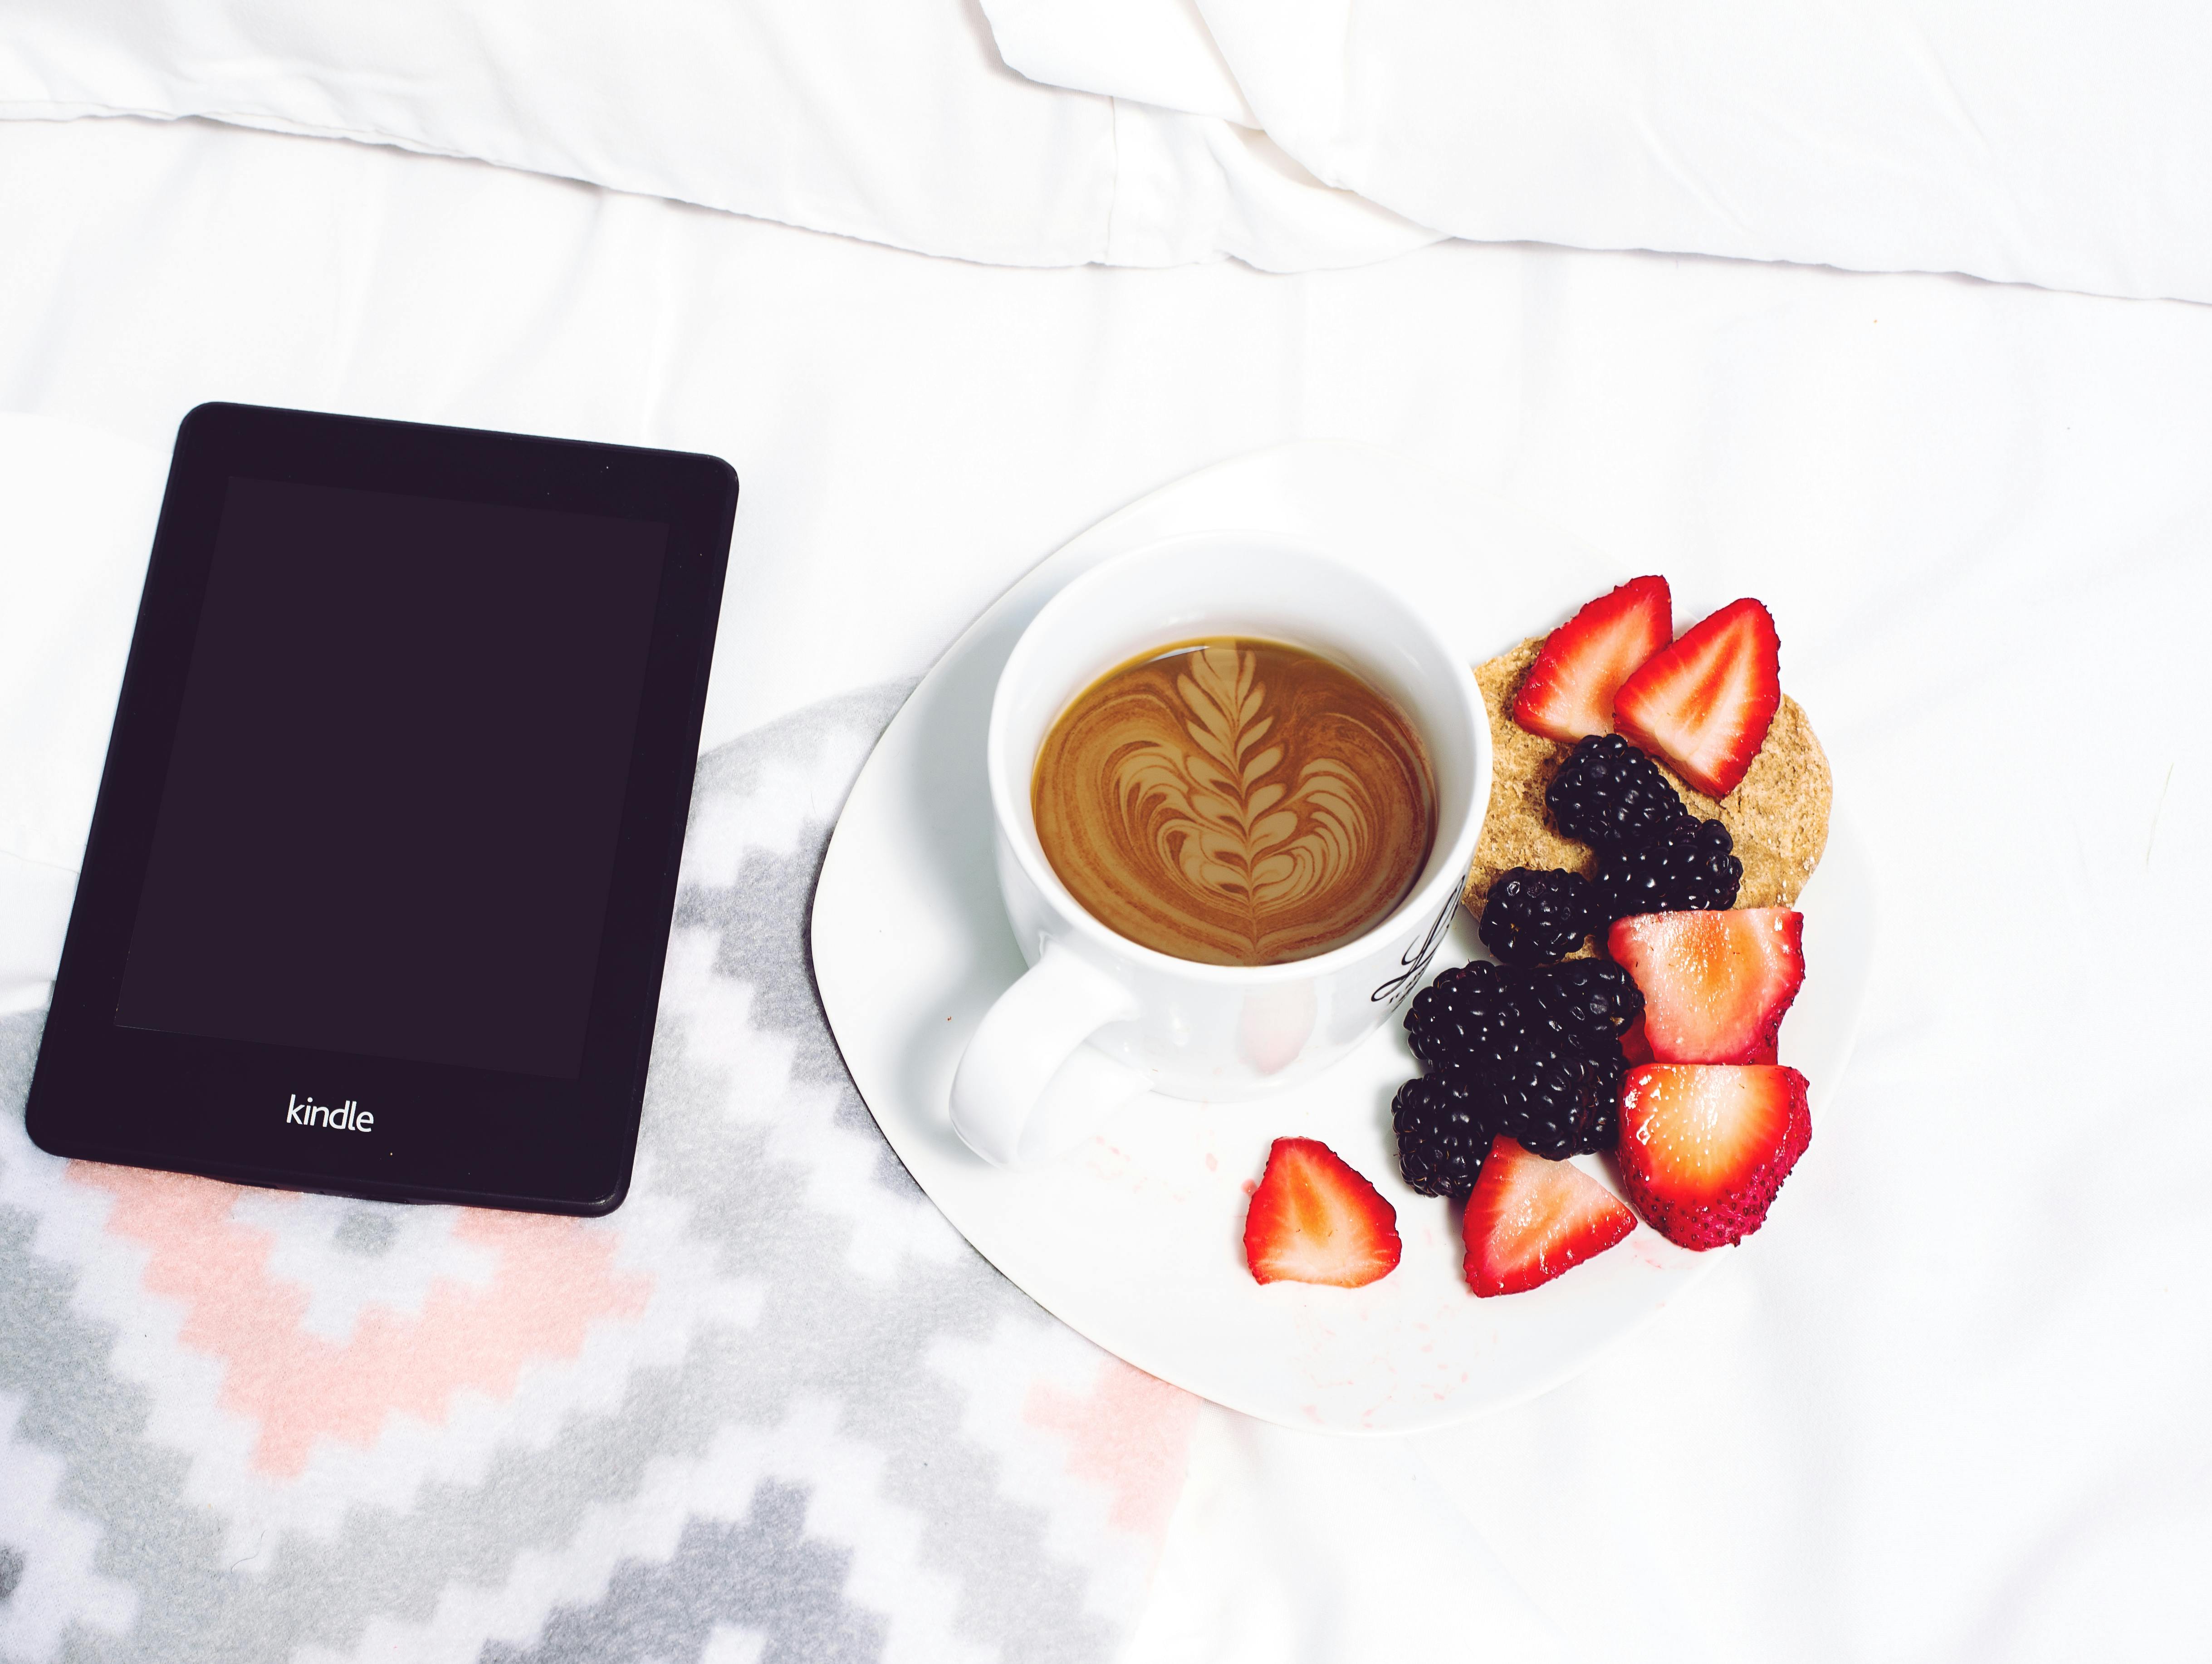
(1130, 1433)
(553, 1279)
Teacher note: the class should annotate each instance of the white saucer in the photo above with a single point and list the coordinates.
(1135, 1240)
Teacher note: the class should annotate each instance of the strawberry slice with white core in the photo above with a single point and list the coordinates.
(1704, 1146)
(1569, 690)
(1705, 702)
(1315, 1220)
(1531, 1219)
(1715, 985)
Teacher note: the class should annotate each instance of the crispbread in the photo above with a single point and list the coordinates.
(1778, 815)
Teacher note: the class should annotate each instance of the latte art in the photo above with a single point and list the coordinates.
(1238, 802)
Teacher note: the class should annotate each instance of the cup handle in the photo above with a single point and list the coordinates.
(1021, 1044)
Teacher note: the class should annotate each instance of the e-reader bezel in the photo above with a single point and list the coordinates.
(438, 1133)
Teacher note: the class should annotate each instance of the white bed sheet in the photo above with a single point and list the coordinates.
(895, 120)
(1949, 1404)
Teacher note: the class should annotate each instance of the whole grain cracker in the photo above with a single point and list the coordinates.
(1777, 814)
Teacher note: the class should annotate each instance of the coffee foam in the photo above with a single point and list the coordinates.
(1238, 802)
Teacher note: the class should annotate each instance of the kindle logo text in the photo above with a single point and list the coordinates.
(348, 1117)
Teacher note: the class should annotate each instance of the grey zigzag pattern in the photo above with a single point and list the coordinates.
(720, 1573)
(824, 1333)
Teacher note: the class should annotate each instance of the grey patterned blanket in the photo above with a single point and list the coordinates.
(773, 1408)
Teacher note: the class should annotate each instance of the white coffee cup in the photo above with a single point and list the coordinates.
(1186, 1028)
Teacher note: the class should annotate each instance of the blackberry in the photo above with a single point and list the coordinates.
(1532, 917)
(1466, 1013)
(1442, 1139)
(1554, 1101)
(1610, 794)
(1688, 867)
(1493, 1017)
(1598, 1130)
(1589, 1003)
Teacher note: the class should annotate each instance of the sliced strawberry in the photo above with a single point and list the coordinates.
(1569, 690)
(1633, 1045)
(1529, 1219)
(1715, 985)
(1704, 704)
(1315, 1220)
(1703, 1146)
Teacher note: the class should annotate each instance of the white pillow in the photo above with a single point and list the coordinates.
(893, 121)
(1155, 51)
(2062, 142)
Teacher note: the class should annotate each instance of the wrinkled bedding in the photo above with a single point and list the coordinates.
(1946, 1405)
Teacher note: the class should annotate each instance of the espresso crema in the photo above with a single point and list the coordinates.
(1238, 802)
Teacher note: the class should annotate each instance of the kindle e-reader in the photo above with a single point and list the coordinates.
(379, 886)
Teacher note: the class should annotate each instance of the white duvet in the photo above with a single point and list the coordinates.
(2059, 143)
(894, 120)
(1949, 1404)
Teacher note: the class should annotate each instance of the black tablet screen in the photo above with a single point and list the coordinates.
(398, 778)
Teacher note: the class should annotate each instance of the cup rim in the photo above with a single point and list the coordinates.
(1417, 906)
